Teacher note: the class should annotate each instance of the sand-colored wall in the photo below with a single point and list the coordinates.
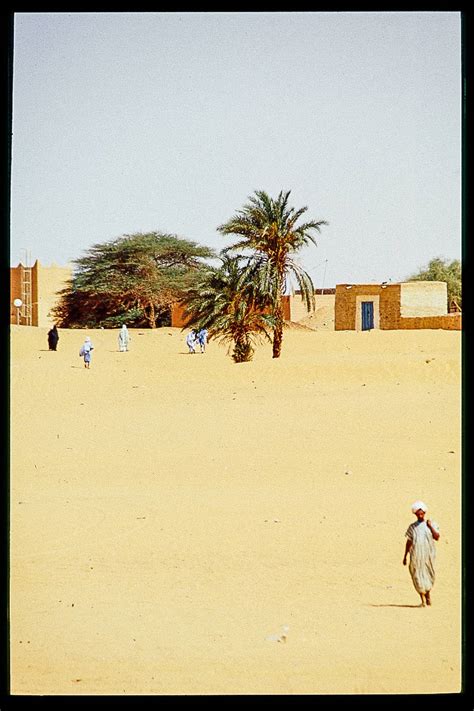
(298, 310)
(50, 280)
(449, 322)
(322, 318)
(423, 298)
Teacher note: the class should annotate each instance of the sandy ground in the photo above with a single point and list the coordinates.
(172, 513)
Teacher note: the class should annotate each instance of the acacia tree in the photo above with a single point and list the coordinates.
(226, 301)
(439, 269)
(269, 229)
(133, 279)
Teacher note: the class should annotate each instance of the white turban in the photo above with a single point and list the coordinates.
(419, 505)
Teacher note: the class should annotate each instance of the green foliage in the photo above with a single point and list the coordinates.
(133, 279)
(269, 229)
(439, 269)
(226, 300)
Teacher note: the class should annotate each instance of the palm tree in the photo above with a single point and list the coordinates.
(268, 228)
(227, 302)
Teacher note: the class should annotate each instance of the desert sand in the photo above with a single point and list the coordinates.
(181, 524)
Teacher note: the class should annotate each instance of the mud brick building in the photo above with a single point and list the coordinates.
(407, 305)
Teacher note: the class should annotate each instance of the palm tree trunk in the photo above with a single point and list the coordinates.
(278, 330)
(243, 350)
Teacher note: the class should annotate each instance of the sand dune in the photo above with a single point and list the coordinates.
(171, 514)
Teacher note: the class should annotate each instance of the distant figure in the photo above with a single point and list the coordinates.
(86, 352)
(421, 536)
(123, 339)
(202, 339)
(191, 341)
(53, 338)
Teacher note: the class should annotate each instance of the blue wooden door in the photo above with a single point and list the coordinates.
(367, 315)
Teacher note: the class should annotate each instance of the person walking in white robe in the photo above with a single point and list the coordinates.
(421, 536)
(86, 352)
(202, 339)
(191, 341)
(123, 339)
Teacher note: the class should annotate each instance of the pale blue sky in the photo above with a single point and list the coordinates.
(133, 122)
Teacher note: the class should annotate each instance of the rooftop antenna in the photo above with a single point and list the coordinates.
(23, 249)
(324, 275)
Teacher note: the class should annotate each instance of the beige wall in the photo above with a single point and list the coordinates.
(423, 298)
(298, 308)
(449, 322)
(50, 280)
(322, 318)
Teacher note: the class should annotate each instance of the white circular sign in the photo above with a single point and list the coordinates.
(18, 303)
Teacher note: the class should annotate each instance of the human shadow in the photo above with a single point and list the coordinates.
(392, 604)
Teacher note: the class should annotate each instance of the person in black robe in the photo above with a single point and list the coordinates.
(53, 338)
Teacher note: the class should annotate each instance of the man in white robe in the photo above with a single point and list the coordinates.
(123, 339)
(421, 536)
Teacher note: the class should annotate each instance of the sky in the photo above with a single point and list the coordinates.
(168, 122)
